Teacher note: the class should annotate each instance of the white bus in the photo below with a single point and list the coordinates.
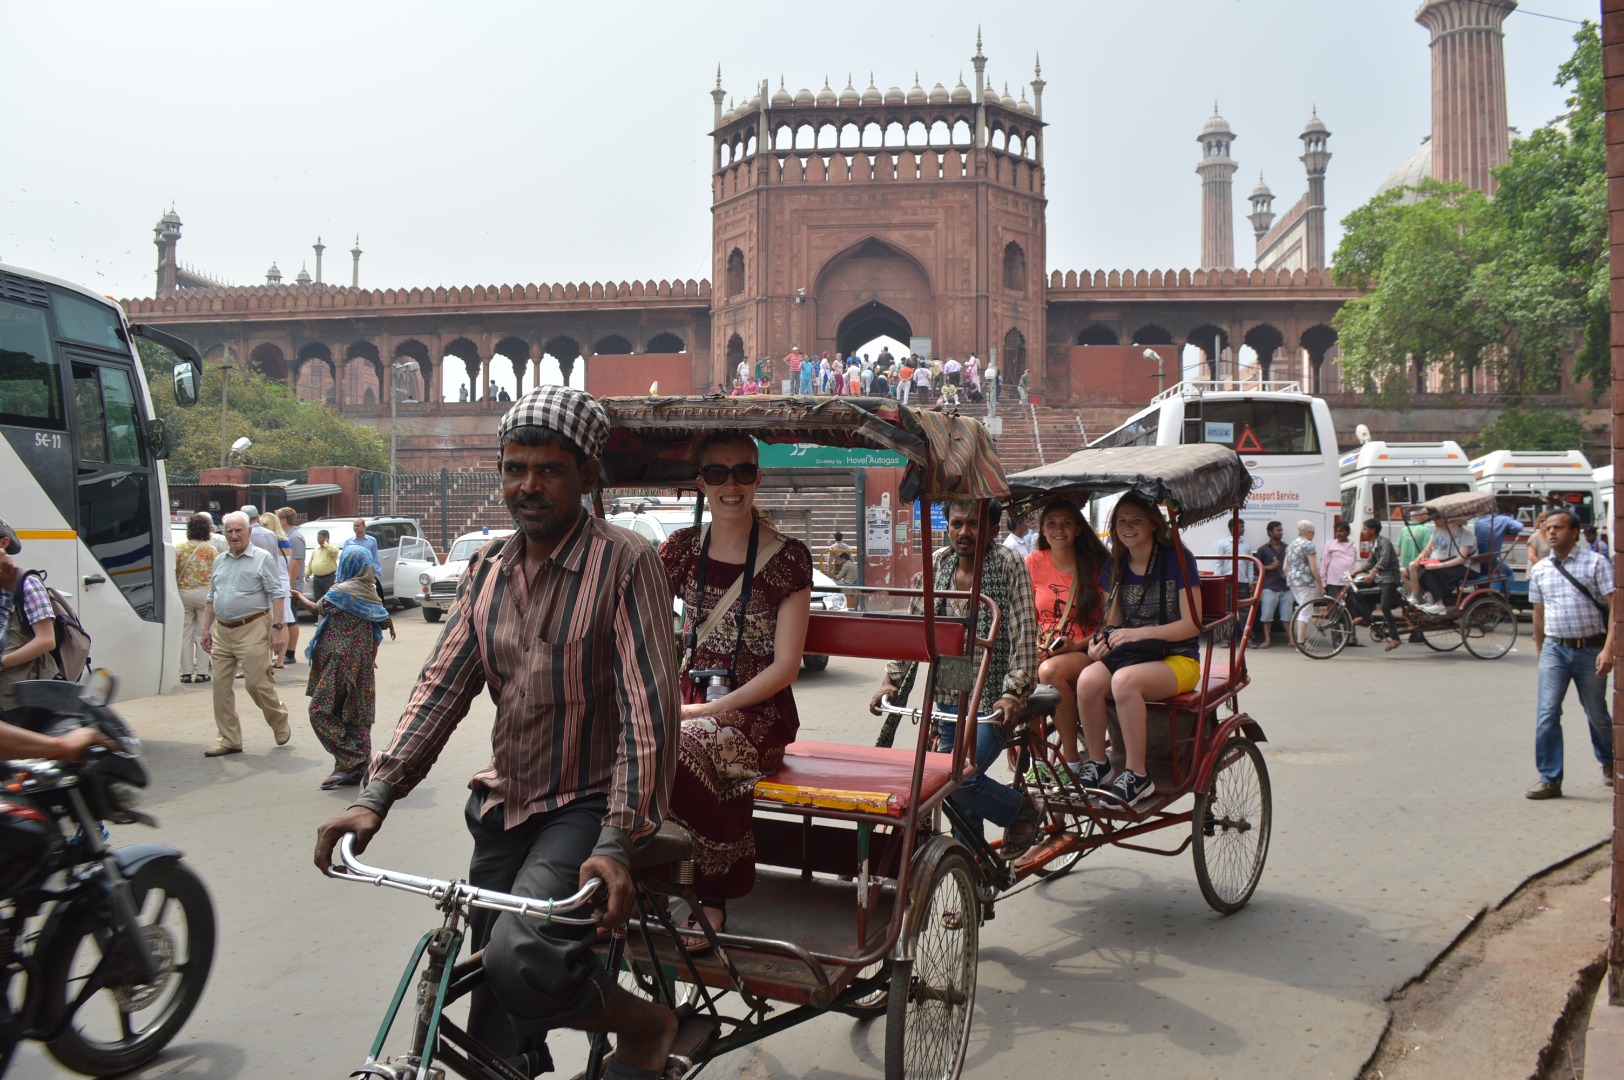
(82, 457)
(1380, 477)
(1556, 477)
(1284, 436)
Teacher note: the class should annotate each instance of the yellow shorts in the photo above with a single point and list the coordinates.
(1187, 671)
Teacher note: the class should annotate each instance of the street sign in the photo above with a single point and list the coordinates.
(813, 456)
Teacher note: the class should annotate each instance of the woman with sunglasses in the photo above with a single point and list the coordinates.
(731, 741)
(1066, 569)
(1154, 636)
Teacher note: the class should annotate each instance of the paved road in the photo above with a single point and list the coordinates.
(1398, 814)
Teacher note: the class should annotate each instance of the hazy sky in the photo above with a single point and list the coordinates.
(517, 142)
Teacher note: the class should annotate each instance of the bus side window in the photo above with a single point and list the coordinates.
(109, 427)
(30, 392)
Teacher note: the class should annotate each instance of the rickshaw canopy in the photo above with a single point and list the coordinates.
(1196, 483)
(654, 441)
(1454, 508)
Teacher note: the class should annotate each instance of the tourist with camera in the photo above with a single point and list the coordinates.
(746, 592)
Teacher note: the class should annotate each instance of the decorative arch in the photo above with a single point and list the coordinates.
(565, 351)
(517, 351)
(465, 351)
(1265, 340)
(612, 345)
(1014, 267)
(733, 357)
(735, 272)
(1202, 337)
(1317, 341)
(1097, 334)
(413, 349)
(666, 342)
(1013, 357)
(863, 324)
(873, 271)
(268, 359)
(1151, 334)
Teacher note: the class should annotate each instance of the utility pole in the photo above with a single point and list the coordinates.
(225, 377)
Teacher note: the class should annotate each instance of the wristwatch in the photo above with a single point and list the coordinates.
(277, 625)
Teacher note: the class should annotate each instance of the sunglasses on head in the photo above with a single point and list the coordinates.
(746, 472)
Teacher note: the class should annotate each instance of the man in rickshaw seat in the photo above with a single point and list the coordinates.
(1442, 564)
(1010, 674)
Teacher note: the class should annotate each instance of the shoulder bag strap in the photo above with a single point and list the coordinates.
(1601, 607)
(731, 594)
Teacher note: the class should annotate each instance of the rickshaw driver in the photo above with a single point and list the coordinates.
(1005, 580)
(568, 622)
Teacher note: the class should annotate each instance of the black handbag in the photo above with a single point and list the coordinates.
(1144, 651)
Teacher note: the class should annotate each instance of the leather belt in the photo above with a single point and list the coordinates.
(240, 622)
(1594, 641)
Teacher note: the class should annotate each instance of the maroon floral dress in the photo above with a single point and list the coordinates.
(721, 757)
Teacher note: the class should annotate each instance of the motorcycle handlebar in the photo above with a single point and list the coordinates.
(461, 893)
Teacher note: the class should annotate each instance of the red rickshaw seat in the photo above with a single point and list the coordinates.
(841, 777)
(1219, 688)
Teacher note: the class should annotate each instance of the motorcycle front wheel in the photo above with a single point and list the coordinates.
(110, 1022)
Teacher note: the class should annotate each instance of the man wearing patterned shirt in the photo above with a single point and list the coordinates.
(1010, 672)
(1572, 593)
(568, 624)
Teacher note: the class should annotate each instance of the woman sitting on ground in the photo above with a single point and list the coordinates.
(732, 741)
(1148, 647)
(1066, 568)
(343, 656)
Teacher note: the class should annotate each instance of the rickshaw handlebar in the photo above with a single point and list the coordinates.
(462, 894)
(890, 708)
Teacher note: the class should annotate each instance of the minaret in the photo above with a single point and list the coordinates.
(355, 265)
(1470, 128)
(303, 277)
(1262, 215)
(717, 95)
(1217, 171)
(1315, 158)
(1037, 85)
(320, 247)
(273, 276)
(165, 235)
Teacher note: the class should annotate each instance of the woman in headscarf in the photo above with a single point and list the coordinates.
(343, 658)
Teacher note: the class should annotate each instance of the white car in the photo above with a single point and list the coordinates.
(439, 584)
(657, 518)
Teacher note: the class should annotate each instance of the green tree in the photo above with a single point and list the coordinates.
(288, 434)
(1517, 284)
(1530, 428)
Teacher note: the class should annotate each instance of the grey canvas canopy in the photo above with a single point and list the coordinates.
(1196, 483)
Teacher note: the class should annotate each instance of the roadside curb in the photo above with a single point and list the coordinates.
(1604, 1031)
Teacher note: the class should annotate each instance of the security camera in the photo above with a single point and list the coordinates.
(241, 445)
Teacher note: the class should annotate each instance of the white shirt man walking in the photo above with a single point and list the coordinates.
(242, 627)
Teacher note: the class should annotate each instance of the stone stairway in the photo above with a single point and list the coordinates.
(1038, 434)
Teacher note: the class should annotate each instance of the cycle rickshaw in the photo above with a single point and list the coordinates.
(1202, 749)
(862, 904)
(1480, 618)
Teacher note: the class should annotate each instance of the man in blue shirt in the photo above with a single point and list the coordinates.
(1495, 533)
(362, 540)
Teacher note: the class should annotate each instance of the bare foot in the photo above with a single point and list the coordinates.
(644, 1032)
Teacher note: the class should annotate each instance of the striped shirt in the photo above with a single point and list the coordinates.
(1568, 614)
(582, 666)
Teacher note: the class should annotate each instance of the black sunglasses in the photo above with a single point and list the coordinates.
(746, 472)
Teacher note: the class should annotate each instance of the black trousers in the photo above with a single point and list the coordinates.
(1443, 584)
(1359, 600)
(537, 976)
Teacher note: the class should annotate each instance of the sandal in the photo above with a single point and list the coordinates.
(695, 942)
(200, 678)
(341, 779)
(186, 678)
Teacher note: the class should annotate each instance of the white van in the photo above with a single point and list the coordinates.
(1604, 502)
(1380, 477)
(1557, 477)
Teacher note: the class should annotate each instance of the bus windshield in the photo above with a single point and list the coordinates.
(1259, 426)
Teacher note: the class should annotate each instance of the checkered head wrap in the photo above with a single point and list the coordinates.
(574, 414)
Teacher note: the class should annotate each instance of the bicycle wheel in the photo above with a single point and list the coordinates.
(1489, 628)
(1231, 826)
(1445, 638)
(870, 1006)
(1323, 631)
(932, 997)
(121, 1024)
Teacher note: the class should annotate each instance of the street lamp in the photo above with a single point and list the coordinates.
(396, 369)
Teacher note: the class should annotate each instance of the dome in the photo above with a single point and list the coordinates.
(1262, 190)
(273, 276)
(894, 96)
(849, 95)
(961, 93)
(938, 94)
(1009, 102)
(1315, 126)
(781, 96)
(916, 93)
(753, 103)
(170, 217)
(1024, 105)
(1215, 125)
(303, 278)
(871, 96)
(1412, 170)
(803, 96)
(826, 96)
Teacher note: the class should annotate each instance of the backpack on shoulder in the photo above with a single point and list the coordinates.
(72, 652)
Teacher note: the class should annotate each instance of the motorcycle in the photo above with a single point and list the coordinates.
(104, 952)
